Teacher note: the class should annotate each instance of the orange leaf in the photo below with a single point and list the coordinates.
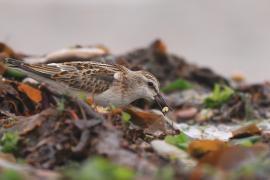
(32, 93)
(229, 158)
(200, 148)
(90, 100)
(159, 47)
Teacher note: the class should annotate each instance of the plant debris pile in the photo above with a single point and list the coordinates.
(217, 128)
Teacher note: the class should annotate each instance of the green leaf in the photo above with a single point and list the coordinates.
(8, 142)
(247, 142)
(82, 95)
(216, 91)
(248, 107)
(14, 73)
(112, 107)
(182, 140)
(219, 96)
(126, 117)
(179, 84)
(61, 104)
(9, 174)
(165, 173)
(100, 169)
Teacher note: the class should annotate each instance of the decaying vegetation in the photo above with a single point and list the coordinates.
(218, 127)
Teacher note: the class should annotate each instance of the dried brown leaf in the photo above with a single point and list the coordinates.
(6, 51)
(28, 124)
(246, 131)
(8, 157)
(151, 122)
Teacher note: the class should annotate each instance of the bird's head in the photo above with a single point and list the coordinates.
(146, 86)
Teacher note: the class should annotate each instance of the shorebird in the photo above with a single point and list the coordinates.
(108, 84)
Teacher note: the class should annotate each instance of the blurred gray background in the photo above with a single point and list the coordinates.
(227, 35)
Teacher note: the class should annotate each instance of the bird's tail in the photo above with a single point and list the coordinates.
(39, 69)
(14, 62)
(39, 76)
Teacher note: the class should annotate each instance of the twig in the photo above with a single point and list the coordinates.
(83, 141)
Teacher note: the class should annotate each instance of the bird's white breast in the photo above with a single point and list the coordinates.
(113, 96)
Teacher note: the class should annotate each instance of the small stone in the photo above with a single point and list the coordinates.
(187, 113)
(165, 109)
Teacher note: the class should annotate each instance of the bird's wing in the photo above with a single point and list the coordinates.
(92, 77)
(89, 76)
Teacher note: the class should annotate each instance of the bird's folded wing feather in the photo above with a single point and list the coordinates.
(92, 77)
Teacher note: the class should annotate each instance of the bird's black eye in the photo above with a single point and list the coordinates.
(150, 84)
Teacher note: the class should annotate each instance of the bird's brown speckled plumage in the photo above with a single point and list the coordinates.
(92, 77)
(107, 83)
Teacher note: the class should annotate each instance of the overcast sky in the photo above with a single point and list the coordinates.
(227, 35)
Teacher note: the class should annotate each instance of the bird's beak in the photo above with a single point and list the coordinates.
(161, 103)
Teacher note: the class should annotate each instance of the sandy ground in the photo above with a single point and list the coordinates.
(227, 35)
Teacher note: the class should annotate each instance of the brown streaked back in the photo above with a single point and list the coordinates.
(93, 77)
